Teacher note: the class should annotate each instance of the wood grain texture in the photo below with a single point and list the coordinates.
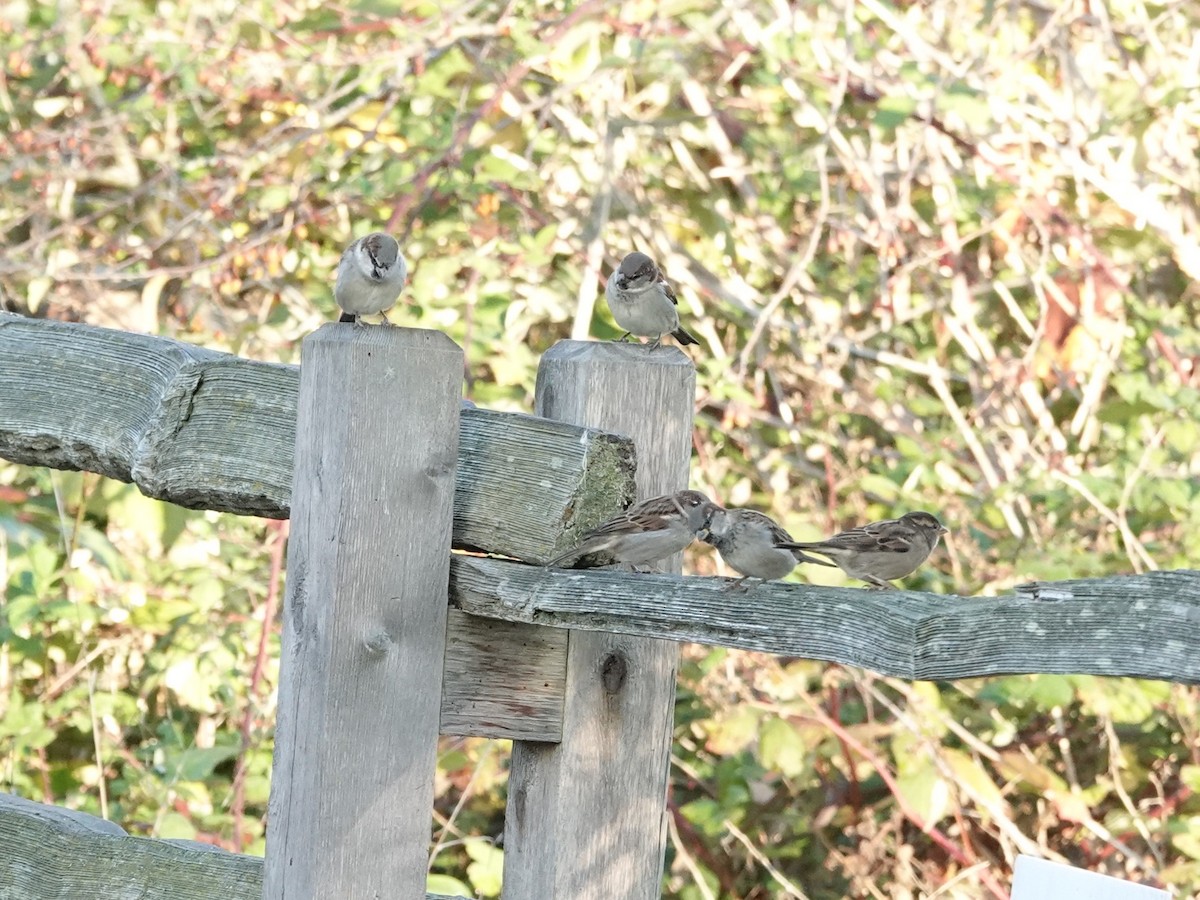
(586, 817)
(1141, 626)
(58, 854)
(365, 617)
(52, 853)
(207, 430)
(503, 680)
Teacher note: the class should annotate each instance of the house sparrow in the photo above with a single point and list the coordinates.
(749, 542)
(645, 533)
(881, 551)
(643, 303)
(370, 276)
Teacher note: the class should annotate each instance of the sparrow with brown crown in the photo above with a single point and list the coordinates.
(643, 303)
(644, 534)
(882, 551)
(370, 277)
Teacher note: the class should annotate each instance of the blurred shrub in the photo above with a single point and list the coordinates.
(939, 256)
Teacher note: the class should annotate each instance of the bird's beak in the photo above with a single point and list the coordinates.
(942, 529)
(620, 280)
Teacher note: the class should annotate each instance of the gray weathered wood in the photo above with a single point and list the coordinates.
(1141, 626)
(58, 854)
(503, 680)
(207, 430)
(365, 617)
(52, 853)
(585, 817)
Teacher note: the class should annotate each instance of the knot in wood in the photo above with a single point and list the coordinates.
(379, 642)
(613, 672)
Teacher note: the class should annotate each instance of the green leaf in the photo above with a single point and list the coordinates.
(893, 111)
(175, 826)
(925, 792)
(486, 869)
(436, 883)
(974, 780)
(198, 763)
(733, 730)
(780, 748)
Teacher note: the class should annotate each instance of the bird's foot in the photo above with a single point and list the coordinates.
(878, 584)
(738, 587)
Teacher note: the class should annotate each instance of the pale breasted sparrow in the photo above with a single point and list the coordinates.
(881, 551)
(645, 533)
(370, 276)
(643, 303)
(749, 542)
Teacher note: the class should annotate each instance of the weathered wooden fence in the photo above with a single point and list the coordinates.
(382, 471)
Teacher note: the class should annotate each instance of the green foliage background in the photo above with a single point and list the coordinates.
(939, 255)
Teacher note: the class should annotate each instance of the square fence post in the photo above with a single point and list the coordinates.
(586, 817)
(365, 618)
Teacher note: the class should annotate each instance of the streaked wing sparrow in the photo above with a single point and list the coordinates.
(643, 303)
(644, 534)
(881, 551)
(370, 276)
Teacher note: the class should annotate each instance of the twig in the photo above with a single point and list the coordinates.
(928, 828)
(758, 855)
(280, 531)
(688, 860)
(1133, 547)
(440, 841)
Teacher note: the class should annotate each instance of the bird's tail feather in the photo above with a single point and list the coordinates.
(561, 558)
(347, 317)
(802, 557)
(798, 548)
(683, 337)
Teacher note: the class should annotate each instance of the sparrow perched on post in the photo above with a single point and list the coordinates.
(645, 533)
(749, 542)
(643, 303)
(881, 551)
(370, 277)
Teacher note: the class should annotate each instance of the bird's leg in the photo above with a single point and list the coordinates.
(738, 586)
(386, 320)
(621, 339)
(878, 583)
(654, 344)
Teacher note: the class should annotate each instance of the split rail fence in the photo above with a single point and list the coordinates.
(390, 640)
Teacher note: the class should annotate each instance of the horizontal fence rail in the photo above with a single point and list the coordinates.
(208, 430)
(1142, 626)
(52, 853)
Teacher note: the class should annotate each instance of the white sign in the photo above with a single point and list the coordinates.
(1038, 879)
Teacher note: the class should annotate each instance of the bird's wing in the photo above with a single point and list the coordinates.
(876, 536)
(777, 532)
(649, 515)
(668, 290)
(892, 536)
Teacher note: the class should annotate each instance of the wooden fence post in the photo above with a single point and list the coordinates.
(365, 618)
(586, 817)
